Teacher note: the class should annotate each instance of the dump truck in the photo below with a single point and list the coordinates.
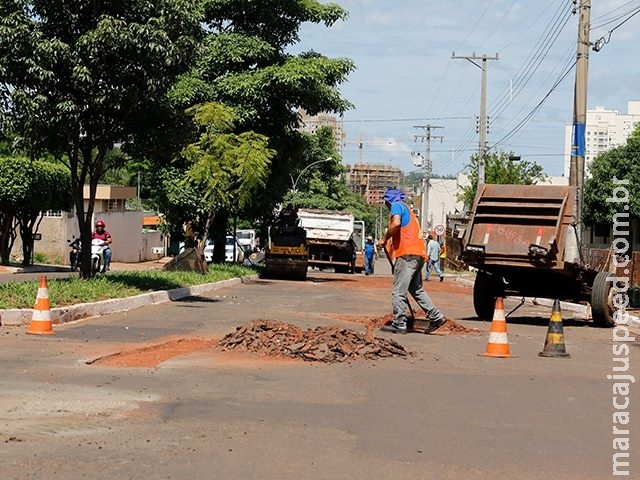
(330, 239)
(286, 255)
(523, 240)
(359, 241)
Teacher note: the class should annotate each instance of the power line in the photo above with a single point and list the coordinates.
(536, 108)
(597, 46)
(383, 120)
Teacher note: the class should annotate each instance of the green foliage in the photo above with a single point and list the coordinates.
(41, 258)
(227, 168)
(34, 184)
(500, 170)
(71, 291)
(78, 77)
(242, 63)
(621, 163)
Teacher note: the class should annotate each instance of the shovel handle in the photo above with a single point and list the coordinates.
(386, 254)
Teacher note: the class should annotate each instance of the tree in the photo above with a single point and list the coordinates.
(78, 77)
(228, 168)
(499, 169)
(27, 188)
(622, 163)
(242, 62)
(50, 189)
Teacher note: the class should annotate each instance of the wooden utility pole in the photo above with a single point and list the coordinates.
(426, 171)
(577, 165)
(482, 121)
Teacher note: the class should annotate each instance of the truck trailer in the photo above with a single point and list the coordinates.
(523, 240)
(330, 239)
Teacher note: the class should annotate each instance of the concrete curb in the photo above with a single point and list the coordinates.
(71, 313)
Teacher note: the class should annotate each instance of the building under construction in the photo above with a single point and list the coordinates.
(371, 180)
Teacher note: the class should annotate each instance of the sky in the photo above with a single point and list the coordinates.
(406, 76)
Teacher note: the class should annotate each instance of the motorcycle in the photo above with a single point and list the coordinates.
(75, 254)
(97, 255)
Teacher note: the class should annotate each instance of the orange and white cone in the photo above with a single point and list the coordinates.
(498, 344)
(41, 320)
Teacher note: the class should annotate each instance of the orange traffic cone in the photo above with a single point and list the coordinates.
(498, 344)
(41, 319)
(554, 343)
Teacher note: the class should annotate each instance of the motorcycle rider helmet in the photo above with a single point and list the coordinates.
(100, 223)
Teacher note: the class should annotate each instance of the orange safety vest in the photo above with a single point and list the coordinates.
(408, 241)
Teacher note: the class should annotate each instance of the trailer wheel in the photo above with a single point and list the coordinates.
(485, 290)
(601, 301)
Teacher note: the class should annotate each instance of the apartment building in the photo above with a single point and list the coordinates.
(370, 180)
(605, 129)
(309, 123)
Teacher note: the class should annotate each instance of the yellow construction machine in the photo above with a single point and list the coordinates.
(287, 255)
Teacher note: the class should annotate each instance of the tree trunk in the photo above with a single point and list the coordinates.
(218, 235)
(27, 219)
(7, 235)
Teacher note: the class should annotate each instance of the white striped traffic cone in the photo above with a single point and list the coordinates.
(498, 344)
(41, 320)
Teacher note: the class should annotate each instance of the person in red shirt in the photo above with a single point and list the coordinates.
(405, 246)
(102, 234)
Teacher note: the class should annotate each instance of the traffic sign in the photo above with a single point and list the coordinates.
(439, 230)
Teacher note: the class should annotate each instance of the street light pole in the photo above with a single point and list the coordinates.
(294, 183)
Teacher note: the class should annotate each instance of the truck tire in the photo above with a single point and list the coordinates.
(485, 290)
(601, 301)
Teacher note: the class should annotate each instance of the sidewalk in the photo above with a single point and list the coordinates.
(115, 267)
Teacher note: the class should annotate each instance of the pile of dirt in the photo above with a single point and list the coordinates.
(322, 344)
(453, 328)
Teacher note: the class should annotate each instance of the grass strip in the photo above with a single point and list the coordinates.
(73, 290)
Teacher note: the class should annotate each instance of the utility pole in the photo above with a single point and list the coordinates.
(577, 165)
(426, 170)
(482, 121)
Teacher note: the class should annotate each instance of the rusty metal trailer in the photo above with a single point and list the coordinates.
(524, 241)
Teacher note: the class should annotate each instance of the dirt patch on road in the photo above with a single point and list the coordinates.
(275, 340)
(153, 355)
(269, 340)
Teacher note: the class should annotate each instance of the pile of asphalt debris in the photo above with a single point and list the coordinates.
(321, 344)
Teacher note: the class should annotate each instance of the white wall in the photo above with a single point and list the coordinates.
(126, 232)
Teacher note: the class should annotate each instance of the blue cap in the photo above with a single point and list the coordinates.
(393, 195)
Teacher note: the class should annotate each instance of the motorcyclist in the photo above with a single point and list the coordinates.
(101, 234)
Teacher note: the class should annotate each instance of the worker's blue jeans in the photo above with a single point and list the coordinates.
(107, 258)
(407, 278)
(436, 267)
(368, 265)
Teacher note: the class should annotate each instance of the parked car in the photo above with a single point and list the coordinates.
(228, 250)
(229, 243)
(208, 251)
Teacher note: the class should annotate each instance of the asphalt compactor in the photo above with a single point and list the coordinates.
(287, 255)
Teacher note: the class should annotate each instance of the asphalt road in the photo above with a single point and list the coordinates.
(443, 413)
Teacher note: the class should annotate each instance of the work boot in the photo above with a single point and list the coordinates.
(393, 329)
(436, 324)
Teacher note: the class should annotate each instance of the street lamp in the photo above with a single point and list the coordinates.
(294, 183)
